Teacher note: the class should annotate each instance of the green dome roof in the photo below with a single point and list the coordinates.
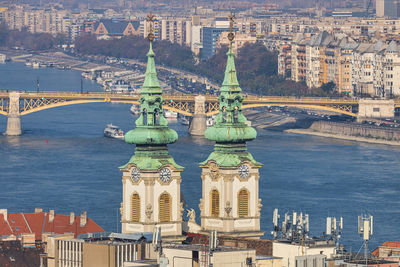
(231, 134)
(151, 136)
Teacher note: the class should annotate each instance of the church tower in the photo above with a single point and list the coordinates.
(151, 179)
(230, 176)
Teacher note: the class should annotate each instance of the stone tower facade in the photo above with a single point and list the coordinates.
(151, 179)
(230, 200)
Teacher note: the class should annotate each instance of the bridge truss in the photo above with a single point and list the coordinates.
(30, 102)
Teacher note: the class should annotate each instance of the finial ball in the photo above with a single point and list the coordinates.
(151, 37)
(231, 36)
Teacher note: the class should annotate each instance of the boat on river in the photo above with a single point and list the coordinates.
(168, 114)
(113, 131)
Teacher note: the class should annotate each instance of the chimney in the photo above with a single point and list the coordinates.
(37, 210)
(71, 218)
(51, 216)
(4, 212)
(83, 219)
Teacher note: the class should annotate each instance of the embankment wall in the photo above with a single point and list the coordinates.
(360, 130)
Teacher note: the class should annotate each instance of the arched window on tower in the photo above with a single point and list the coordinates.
(236, 114)
(243, 203)
(214, 203)
(224, 116)
(157, 117)
(164, 203)
(135, 208)
(144, 116)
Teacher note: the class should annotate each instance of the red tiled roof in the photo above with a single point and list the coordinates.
(390, 244)
(39, 223)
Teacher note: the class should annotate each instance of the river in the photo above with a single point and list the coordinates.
(63, 162)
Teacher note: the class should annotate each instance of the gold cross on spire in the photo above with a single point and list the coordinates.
(231, 18)
(150, 19)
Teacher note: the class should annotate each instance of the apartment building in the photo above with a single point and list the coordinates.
(285, 60)
(240, 40)
(368, 68)
(175, 30)
(299, 60)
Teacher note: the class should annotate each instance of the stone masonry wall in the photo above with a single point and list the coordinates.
(356, 130)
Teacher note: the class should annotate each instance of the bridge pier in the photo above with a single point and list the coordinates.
(377, 109)
(14, 117)
(198, 124)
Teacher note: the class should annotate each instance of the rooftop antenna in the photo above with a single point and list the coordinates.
(294, 228)
(333, 231)
(275, 221)
(365, 230)
(213, 242)
(157, 243)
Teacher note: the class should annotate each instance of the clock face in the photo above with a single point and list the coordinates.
(165, 175)
(135, 174)
(244, 171)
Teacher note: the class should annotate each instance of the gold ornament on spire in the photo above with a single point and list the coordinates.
(150, 19)
(231, 35)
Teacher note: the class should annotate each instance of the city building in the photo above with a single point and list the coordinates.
(230, 176)
(297, 254)
(356, 68)
(30, 227)
(112, 28)
(2, 13)
(285, 60)
(389, 251)
(240, 40)
(175, 30)
(388, 8)
(299, 60)
(371, 262)
(151, 179)
(201, 256)
(211, 35)
(97, 249)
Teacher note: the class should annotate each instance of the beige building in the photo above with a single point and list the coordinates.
(240, 40)
(289, 251)
(96, 250)
(199, 256)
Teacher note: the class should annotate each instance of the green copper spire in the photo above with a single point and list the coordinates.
(151, 81)
(151, 134)
(230, 131)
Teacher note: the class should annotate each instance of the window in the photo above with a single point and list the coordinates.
(214, 201)
(243, 203)
(135, 208)
(376, 109)
(164, 214)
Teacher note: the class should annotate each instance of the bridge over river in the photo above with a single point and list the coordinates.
(19, 103)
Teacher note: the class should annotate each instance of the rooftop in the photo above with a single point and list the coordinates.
(45, 222)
